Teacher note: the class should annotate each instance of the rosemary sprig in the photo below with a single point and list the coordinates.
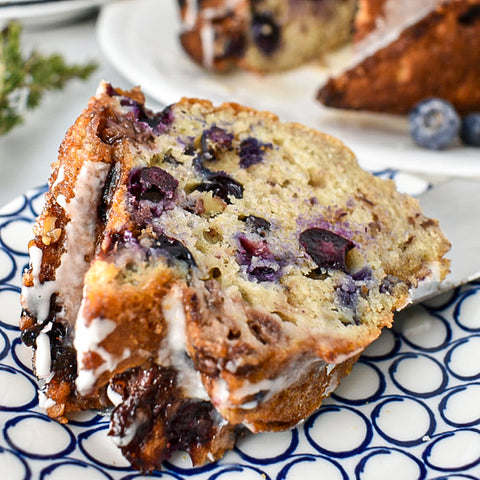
(24, 80)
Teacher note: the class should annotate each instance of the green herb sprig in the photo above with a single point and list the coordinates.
(24, 80)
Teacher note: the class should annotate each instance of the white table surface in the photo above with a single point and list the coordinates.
(27, 152)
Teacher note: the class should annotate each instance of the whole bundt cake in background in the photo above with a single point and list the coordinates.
(210, 271)
(263, 35)
(402, 50)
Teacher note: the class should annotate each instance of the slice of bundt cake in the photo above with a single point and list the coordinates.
(210, 271)
(408, 52)
(263, 35)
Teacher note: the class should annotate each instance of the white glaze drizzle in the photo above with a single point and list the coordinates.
(86, 379)
(113, 396)
(79, 244)
(37, 297)
(62, 201)
(172, 352)
(207, 31)
(190, 15)
(128, 434)
(224, 398)
(45, 402)
(80, 235)
(88, 339)
(329, 368)
(60, 177)
(173, 348)
(397, 16)
(43, 359)
(207, 38)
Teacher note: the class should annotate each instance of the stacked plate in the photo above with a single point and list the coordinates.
(45, 12)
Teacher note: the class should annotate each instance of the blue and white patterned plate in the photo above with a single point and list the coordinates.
(410, 409)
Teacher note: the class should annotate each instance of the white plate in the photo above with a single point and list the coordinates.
(45, 12)
(410, 409)
(140, 37)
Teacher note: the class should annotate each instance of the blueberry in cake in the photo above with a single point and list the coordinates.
(209, 271)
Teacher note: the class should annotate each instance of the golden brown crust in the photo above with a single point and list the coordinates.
(236, 108)
(368, 14)
(82, 142)
(228, 47)
(228, 27)
(137, 310)
(426, 60)
(306, 394)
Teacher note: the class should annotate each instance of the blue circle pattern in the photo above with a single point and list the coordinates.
(15, 290)
(21, 461)
(29, 403)
(303, 449)
(360, 468)
(403, 443)
(310, 424)
(83, 467)
(448, 335)
(371, 398)
(4, 345)
(274, 459)
(62, 451)
(412, 356)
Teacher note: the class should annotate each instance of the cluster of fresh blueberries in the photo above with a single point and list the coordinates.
(435, 124)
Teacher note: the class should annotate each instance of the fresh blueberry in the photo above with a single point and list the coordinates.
(265, 33)
(327, 249)
(470, 130)
(152, 183)
(251, 151)
(434, 123)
